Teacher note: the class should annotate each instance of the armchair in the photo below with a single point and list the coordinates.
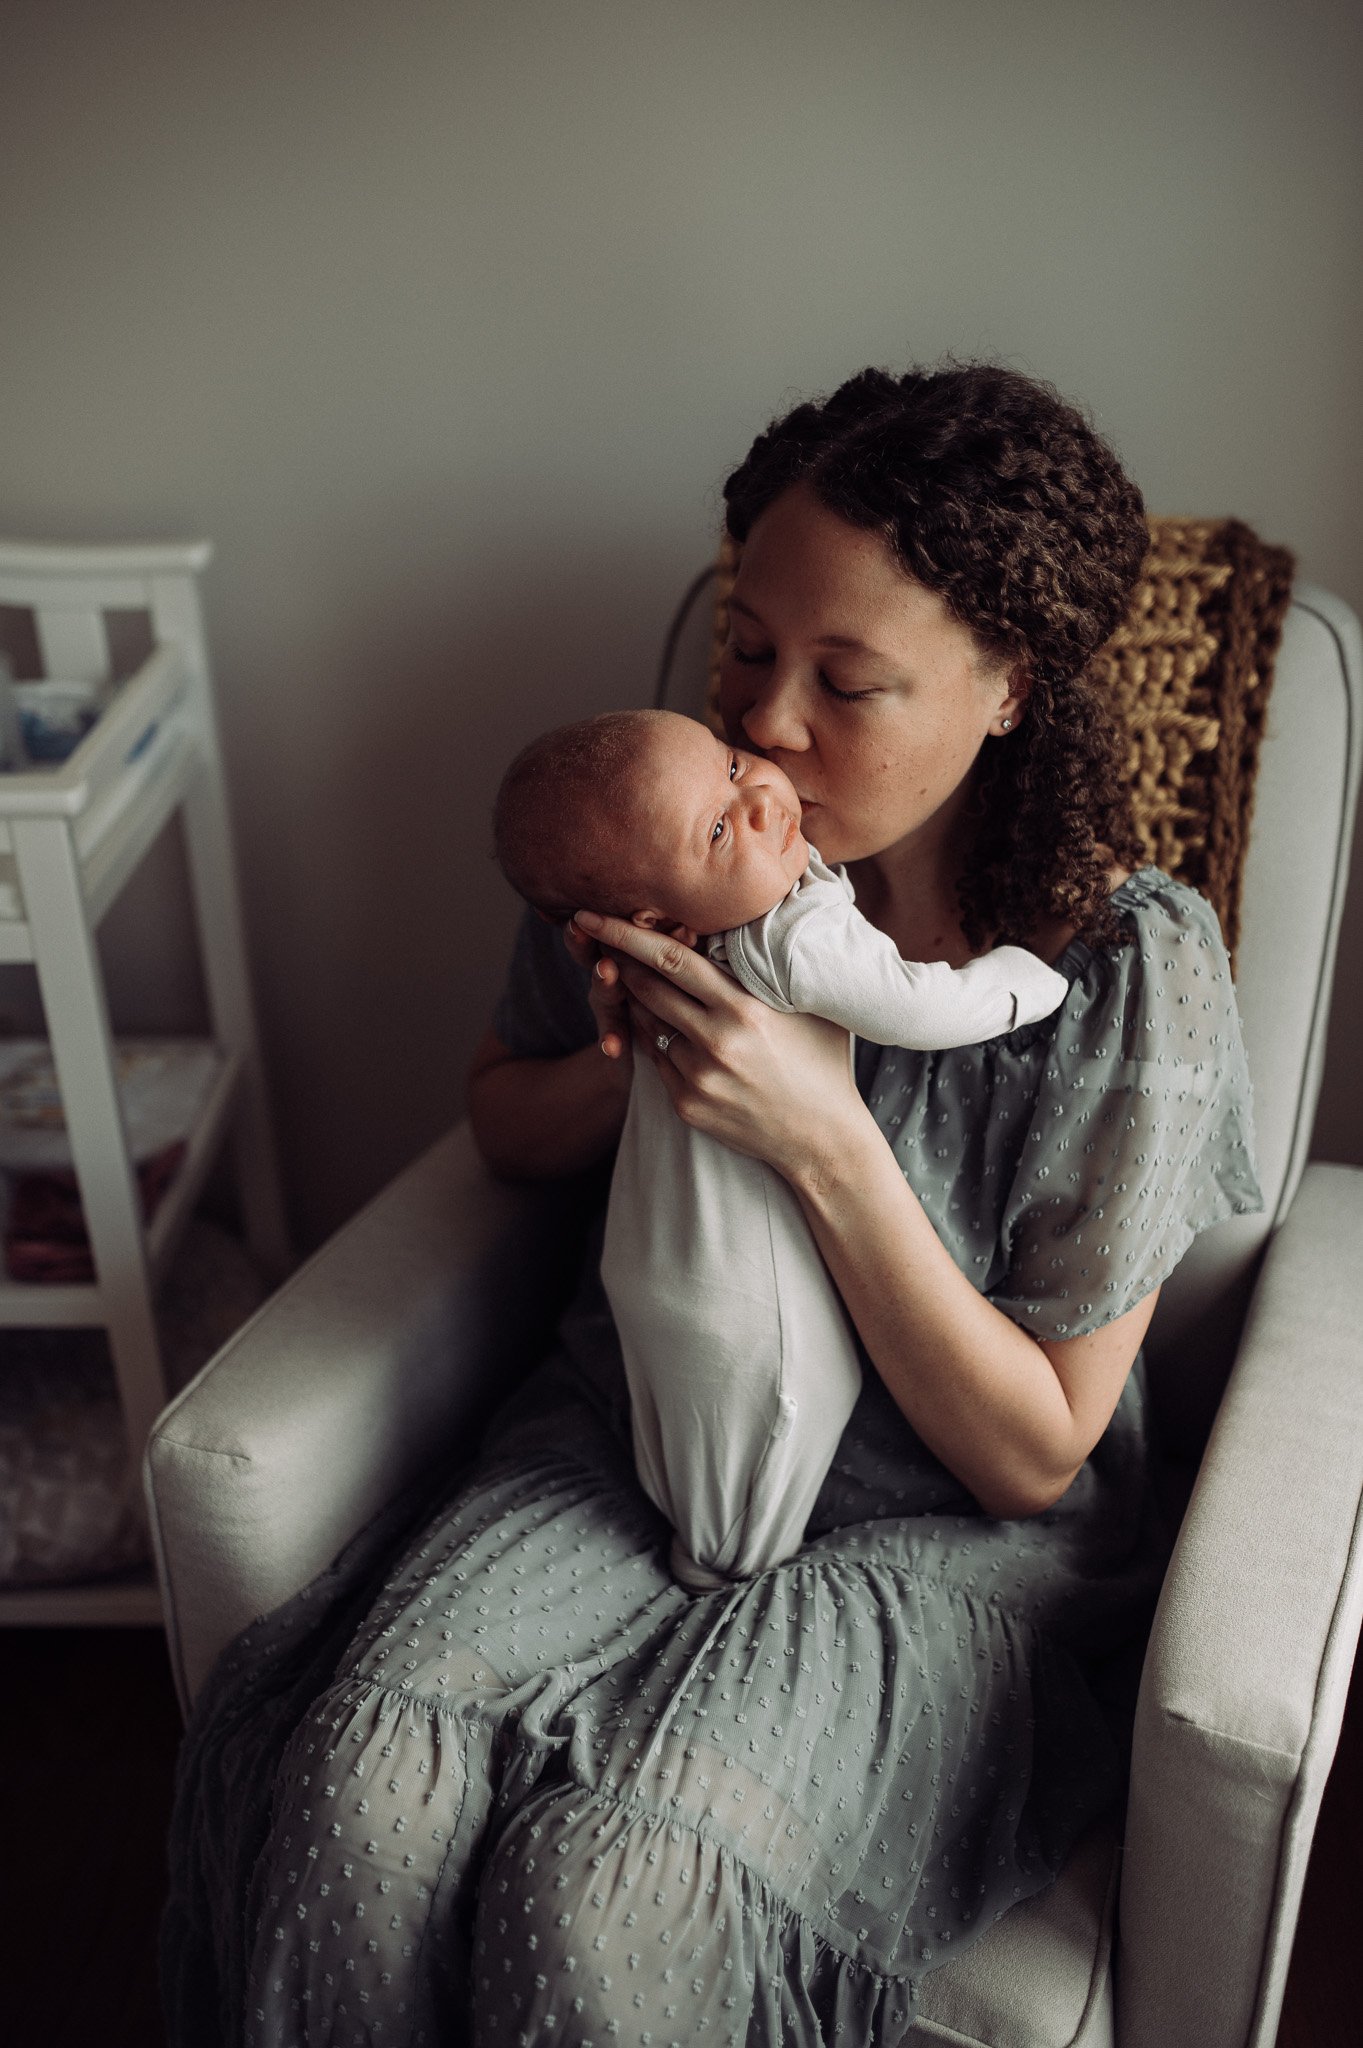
(387, 1348)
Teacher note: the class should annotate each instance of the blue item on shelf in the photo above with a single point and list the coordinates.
(55, 717)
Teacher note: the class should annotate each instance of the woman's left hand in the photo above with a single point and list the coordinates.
(776, 1087)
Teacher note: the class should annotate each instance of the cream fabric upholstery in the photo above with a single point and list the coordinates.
(381, 1354)
(1249, 1662)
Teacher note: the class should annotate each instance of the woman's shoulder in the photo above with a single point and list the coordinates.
(1153, 904)
(1166, 983)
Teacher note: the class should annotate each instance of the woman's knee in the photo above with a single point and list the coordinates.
(596, 1925)
(367, 1802)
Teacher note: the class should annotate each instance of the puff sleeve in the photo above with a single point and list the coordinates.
(1140, 1135)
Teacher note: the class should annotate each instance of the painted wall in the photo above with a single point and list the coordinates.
(444, 322)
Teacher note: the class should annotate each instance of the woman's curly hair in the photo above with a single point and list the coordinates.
(993, 491)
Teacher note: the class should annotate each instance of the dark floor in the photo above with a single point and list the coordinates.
(90, 1726)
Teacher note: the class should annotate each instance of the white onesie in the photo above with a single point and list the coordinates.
(741, 1360)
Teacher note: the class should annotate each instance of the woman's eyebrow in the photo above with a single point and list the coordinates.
(736, 604)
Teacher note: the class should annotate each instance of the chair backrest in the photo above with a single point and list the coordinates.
(1296, 870)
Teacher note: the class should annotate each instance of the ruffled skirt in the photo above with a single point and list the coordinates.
(551, 1796)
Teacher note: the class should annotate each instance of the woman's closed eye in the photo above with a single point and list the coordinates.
(844, 696)
(747, 659)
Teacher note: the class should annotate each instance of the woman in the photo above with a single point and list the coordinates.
(548, 1787)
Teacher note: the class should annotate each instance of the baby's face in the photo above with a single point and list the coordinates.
(714, 831)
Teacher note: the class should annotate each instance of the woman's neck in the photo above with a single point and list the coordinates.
(910, 893)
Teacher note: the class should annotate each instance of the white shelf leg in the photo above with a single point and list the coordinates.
(224, 958)
(212, 874)
(72, 989)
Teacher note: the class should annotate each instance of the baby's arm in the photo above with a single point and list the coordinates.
(842, 967)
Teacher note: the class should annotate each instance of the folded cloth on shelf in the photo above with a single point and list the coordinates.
(45, 1236)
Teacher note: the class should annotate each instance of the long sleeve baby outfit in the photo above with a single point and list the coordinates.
(741, 1360)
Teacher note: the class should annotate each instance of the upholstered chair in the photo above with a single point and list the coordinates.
(1172, 1927)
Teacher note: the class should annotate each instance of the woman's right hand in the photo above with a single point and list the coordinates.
(605, 993)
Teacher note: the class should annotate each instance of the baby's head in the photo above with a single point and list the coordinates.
(648, 816)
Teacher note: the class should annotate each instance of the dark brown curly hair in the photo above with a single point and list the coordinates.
(992, 490)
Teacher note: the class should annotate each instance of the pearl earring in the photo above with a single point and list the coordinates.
(1008, 725)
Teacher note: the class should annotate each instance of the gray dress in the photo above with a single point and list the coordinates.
(548, 1788)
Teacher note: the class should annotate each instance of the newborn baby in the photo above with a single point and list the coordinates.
(741, 1361)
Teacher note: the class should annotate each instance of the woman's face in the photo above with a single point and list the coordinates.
(856, 681)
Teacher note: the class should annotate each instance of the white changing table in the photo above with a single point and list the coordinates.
(71, 836)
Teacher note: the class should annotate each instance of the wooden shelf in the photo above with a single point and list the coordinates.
(120, 788)
(72, 834)
(81, 1304)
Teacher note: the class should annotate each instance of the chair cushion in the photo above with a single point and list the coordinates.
(1042, 1976)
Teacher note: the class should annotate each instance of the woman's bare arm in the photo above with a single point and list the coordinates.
(541, 1119)
(1013, 1417)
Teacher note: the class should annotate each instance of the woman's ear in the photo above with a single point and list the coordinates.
(656, 921)
(1008, 712)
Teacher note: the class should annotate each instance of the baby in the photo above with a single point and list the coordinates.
(741, 1361)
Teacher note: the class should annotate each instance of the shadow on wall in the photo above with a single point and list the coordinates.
(390, 892)
(365, 743)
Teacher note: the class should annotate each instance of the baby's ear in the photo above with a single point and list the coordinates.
(656, 921)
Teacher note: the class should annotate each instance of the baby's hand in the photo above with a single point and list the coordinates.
(605, 994)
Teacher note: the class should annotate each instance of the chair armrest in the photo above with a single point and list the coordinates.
(1248, 1667)
(376, 1361)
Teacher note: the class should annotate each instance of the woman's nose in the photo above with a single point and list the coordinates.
(773, 721)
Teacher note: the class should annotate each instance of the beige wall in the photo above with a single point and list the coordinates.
(445, 321)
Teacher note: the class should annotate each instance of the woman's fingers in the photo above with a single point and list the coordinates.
(607, 997)
(649, 1028)
(610, 1007)
(680, 964)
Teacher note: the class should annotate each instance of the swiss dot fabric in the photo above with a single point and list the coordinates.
(546, 1796)
(1115, 1131)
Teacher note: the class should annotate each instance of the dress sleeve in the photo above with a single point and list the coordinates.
(1141, 1134)
(543, 1011)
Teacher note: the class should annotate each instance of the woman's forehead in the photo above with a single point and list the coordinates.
(806, 571)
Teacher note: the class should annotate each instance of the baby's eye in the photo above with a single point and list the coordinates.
(733, 768)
